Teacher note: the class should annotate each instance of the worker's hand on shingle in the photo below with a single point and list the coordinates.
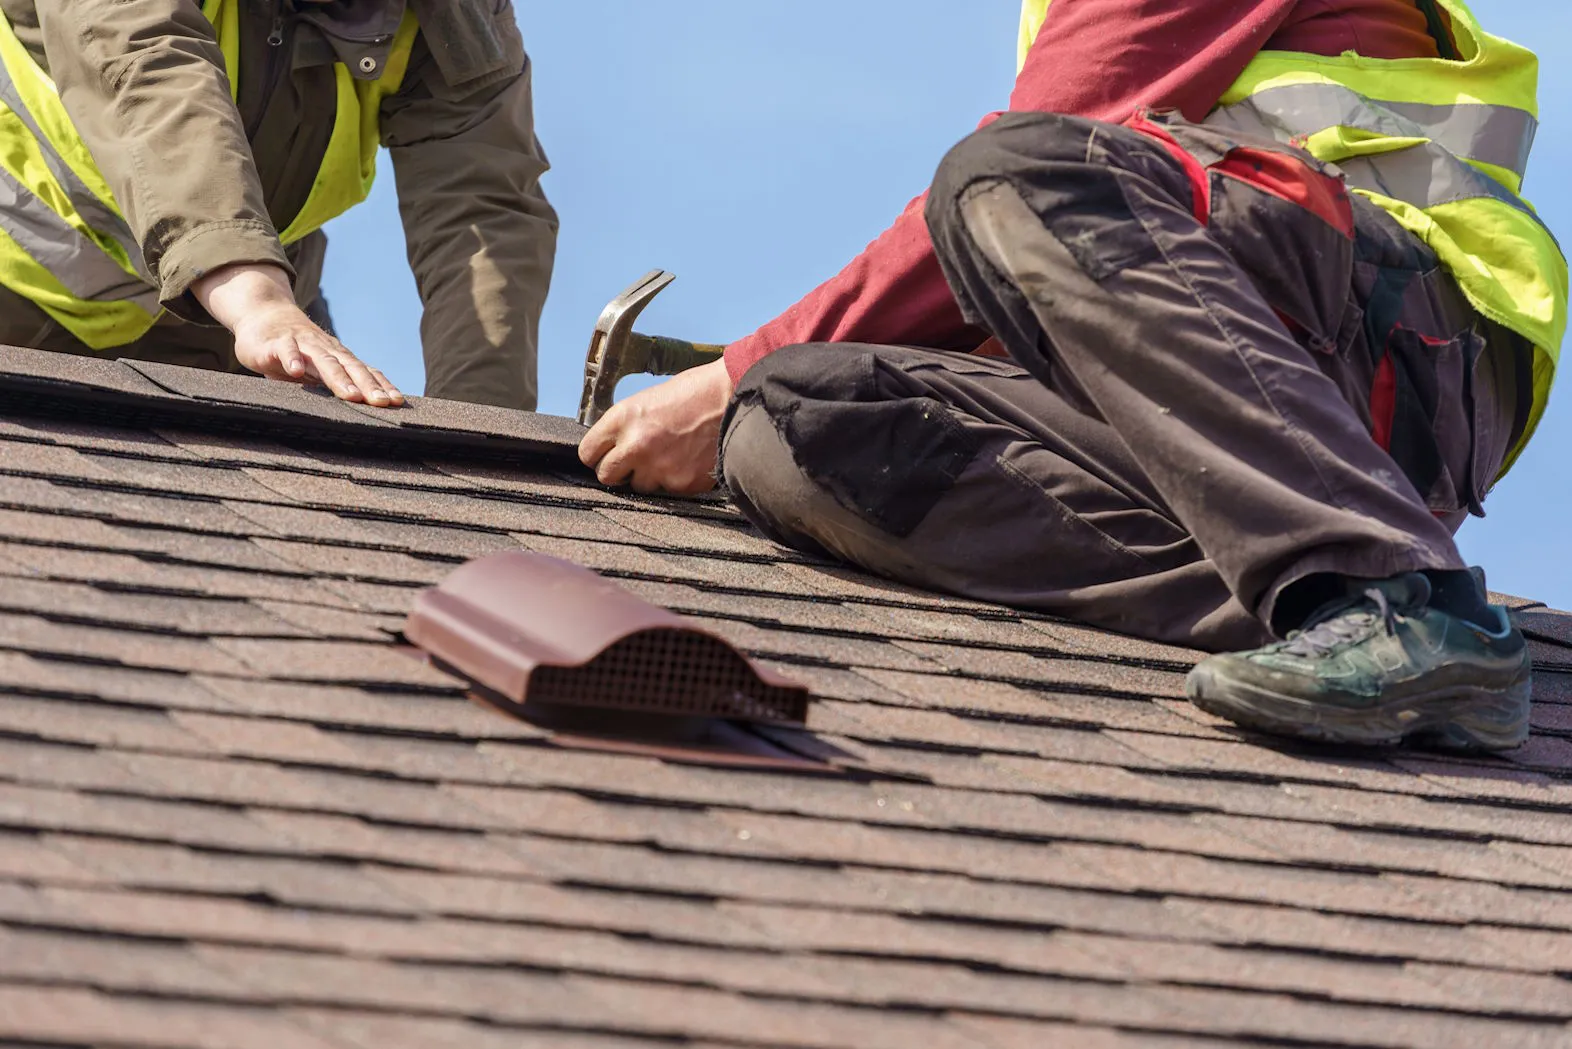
(663, 439)
(275, 338)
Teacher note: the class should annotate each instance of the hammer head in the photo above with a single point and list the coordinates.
(612, 345)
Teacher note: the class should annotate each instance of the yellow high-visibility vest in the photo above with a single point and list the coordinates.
(64, 242)
(1440, 144)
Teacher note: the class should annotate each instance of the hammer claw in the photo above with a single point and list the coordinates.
(625, 308)
(609, 350)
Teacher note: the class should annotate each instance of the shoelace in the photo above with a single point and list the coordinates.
(1337, 627)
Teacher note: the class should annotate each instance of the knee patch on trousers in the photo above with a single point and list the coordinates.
(1082, 204)
(860, 429)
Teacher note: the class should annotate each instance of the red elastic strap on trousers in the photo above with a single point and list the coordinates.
(1383, 410)
(1286, 177)
(1383, 403)
(1200, 181)
(1383, 391)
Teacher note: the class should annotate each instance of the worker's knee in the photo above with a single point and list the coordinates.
(1013, 148)
(763, 477)
(756, 459)
(859, 431)
(800, 493)
(751, 452)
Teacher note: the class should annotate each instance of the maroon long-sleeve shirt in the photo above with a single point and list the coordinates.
(1099, 59)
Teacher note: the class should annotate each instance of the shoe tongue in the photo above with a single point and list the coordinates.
(1402, 592)
(1412, 590)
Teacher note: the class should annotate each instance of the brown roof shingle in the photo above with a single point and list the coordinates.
(235, 814)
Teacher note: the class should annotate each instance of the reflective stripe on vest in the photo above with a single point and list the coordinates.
(64, 243)
(1441, 145)
(97, 215)
(1416, 163)
(1499, 136)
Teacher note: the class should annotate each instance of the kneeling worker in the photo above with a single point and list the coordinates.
(169, 164)
(1242, 402)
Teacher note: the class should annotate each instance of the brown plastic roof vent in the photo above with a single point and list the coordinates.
(557, 638)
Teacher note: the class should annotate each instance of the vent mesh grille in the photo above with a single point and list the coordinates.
(669, 672)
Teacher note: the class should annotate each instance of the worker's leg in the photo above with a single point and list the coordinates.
(1077, 244)
(968, 475)
(1165, 295)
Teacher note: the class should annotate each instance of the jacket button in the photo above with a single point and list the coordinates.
(368, 65)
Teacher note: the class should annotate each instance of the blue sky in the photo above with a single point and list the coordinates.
(752, 149)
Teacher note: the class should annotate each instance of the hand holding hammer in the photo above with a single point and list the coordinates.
(616, 350)
(663, 439)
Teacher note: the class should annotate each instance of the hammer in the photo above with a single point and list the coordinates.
(617, 350)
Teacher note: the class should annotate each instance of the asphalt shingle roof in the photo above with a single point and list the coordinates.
(235, 814)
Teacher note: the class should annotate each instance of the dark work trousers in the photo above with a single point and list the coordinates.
(1227, 376)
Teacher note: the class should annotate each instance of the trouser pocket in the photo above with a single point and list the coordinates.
(1424, 410)
(1501, 400)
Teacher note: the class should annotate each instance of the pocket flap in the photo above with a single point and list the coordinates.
(475, 43)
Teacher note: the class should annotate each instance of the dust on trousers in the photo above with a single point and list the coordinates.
(1228, 375)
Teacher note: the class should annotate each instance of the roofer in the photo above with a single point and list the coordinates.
(1241, 402)
(170, 163)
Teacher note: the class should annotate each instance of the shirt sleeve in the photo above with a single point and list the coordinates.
(1093, 58)
(478, 229)
(144, 83)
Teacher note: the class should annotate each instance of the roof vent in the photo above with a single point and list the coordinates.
(563, 644)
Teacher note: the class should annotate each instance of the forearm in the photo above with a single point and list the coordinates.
(145, 87)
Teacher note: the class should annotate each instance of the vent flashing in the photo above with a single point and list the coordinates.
(561, 644)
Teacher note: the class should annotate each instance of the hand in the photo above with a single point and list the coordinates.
(275, 338)
(663, 439)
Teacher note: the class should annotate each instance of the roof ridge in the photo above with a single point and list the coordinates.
(140, 394)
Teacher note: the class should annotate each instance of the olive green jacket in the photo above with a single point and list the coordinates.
(205, 181)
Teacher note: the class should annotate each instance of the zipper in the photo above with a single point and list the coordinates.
(277, 58)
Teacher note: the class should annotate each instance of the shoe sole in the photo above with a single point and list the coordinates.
(1458, 719)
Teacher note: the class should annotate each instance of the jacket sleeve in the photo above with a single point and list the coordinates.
(145, 86)
(480, 234)
(1093, 58)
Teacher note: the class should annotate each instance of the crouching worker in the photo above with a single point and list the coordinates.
(168, 166)
(1248, 395)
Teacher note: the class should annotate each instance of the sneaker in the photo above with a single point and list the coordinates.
(1377, 668)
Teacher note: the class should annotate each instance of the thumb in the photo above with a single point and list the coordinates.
(601, 438)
